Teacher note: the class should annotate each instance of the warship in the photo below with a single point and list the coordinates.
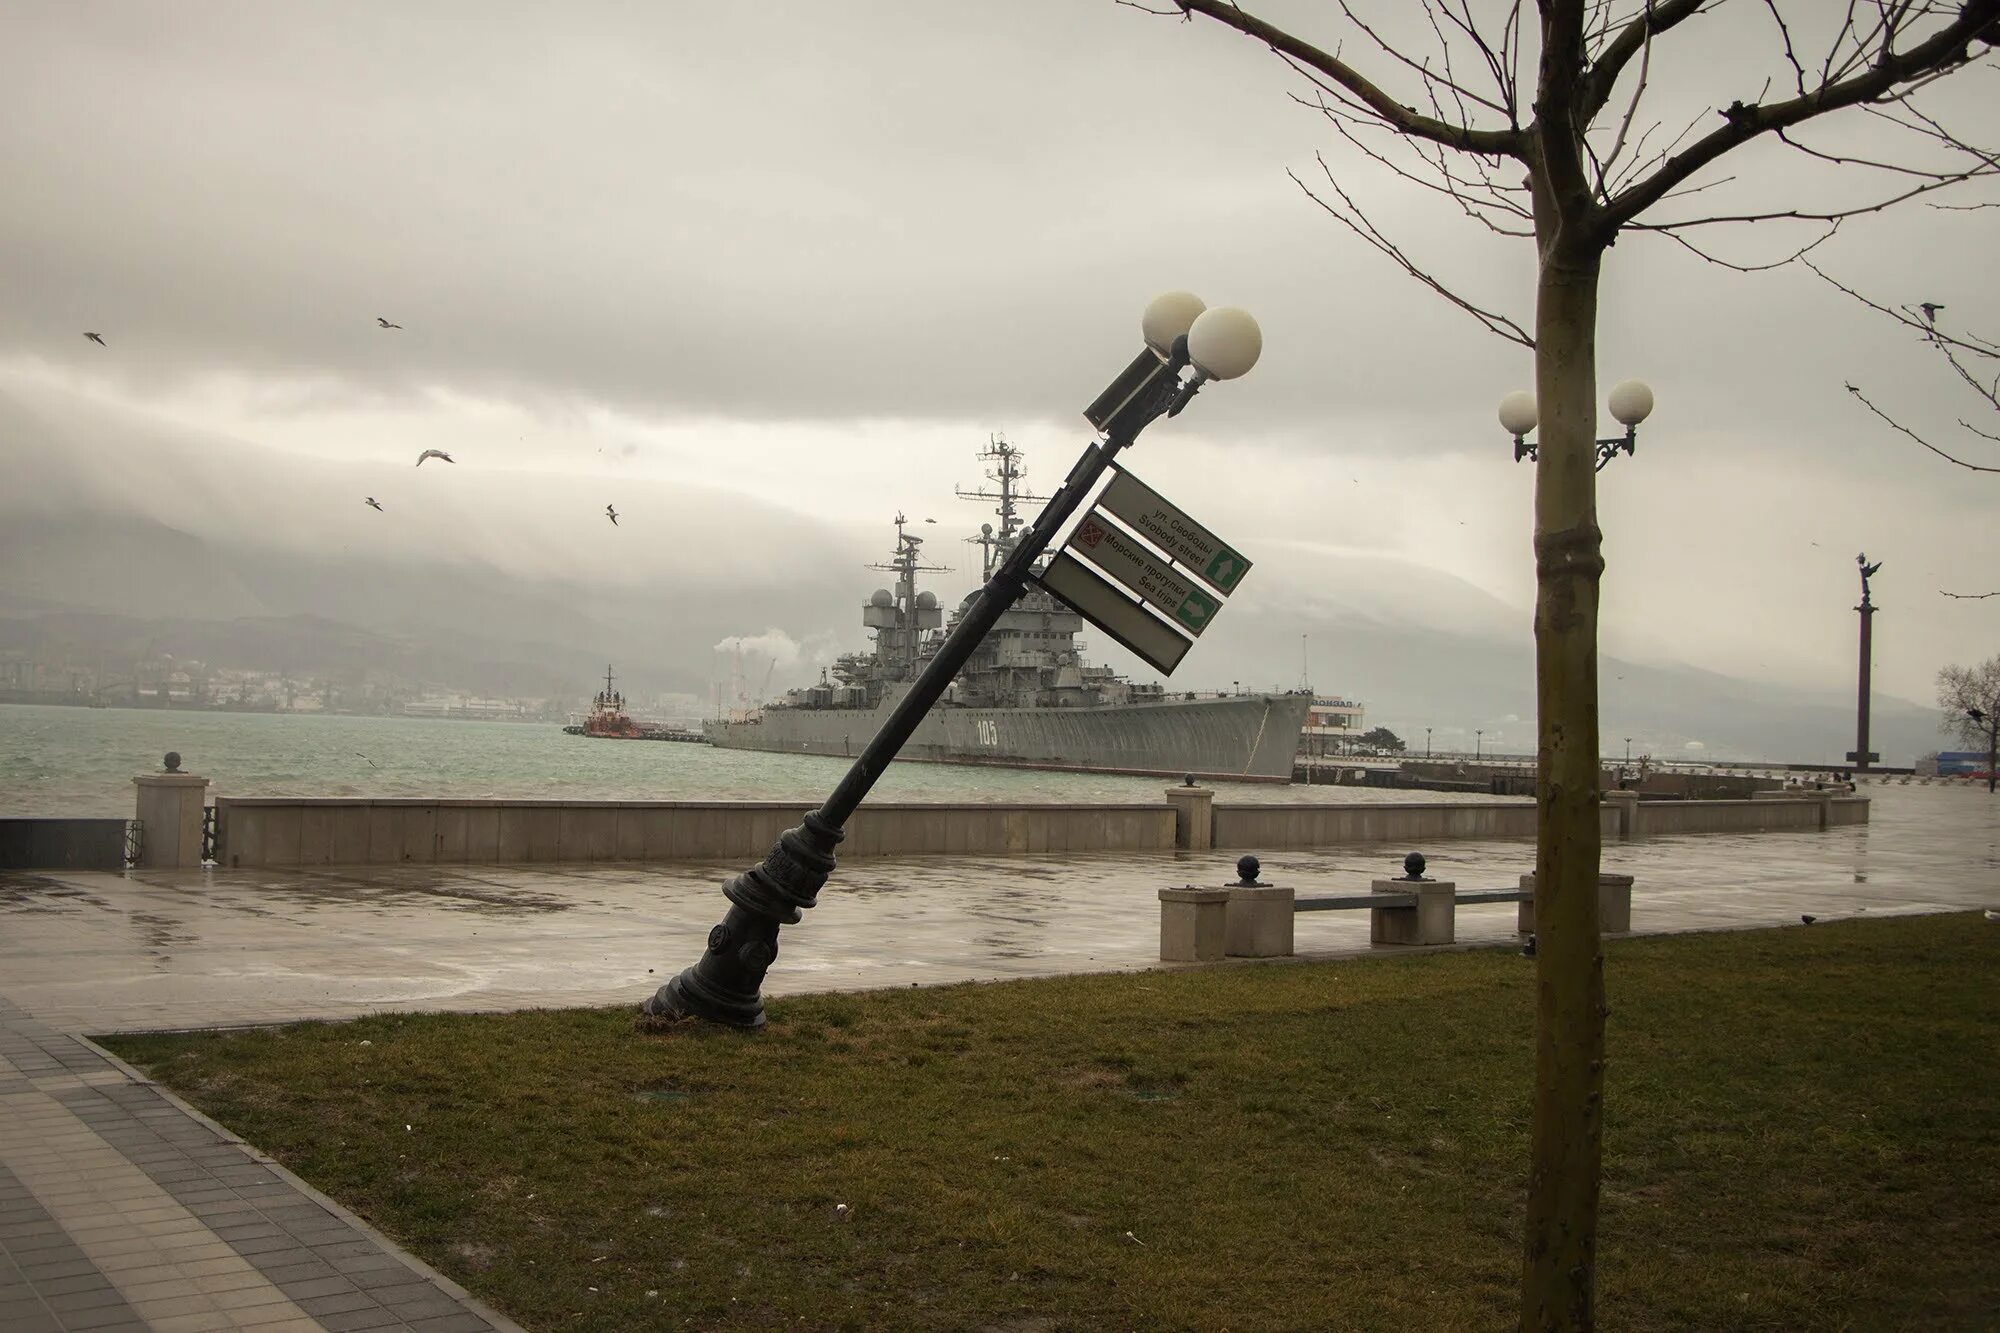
(1027, 698)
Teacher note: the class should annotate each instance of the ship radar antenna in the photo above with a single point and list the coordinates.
(1007, 473)
(906, 564)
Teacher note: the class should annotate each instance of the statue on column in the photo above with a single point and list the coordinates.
(1867, 571)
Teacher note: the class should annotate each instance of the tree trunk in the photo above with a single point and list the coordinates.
(1558, 1278)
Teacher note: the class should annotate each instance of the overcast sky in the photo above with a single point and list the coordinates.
(813, 254)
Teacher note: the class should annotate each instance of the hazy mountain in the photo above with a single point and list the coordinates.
(514, 582)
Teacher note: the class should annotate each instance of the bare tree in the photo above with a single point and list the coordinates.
(1531, 126)
(1970, 698)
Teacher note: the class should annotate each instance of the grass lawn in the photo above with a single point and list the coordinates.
(1801, 1133)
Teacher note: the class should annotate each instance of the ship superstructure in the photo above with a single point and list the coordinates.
(1027, 696)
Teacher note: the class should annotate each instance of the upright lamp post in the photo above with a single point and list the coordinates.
(1478, 740)
(1187, 345)
(1427, 742)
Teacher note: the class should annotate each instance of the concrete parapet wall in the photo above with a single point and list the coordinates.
(1725, 816)
(296, 831)
(1251, 827)
(62, 844)
(291, 832)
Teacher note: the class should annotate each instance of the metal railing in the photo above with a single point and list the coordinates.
(208, 833)
(135, 840)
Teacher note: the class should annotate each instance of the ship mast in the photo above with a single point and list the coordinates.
(906, 564)
(1006, 472)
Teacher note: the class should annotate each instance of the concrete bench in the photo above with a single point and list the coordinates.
(1400, 911)
(1256, 920)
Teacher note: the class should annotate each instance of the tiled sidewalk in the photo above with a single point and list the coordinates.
(120, 1209)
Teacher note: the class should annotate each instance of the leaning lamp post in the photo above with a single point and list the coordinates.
(1187, 345)
(1631, 403)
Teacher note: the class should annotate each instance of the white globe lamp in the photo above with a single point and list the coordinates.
(1167, 318)
(1517, 413)
(1631, 402)
(1225, 342)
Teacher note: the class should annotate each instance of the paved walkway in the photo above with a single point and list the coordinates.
(119, 1208)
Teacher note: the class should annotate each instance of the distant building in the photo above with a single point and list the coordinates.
(464, 707)
(1331, 726)
(1954, 763)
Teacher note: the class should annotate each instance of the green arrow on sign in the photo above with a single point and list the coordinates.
(1224, 569)
(1197, 610)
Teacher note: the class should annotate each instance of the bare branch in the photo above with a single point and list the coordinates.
(1928, 329)
(1357, 222)
(1973, 467)
(1970, 596)
(1743, 123)
(1497, 143)
(1986, 168)
(1602, 76)
(1720, 262)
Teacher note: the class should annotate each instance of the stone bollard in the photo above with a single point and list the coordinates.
(1194, 816)
(169, 814)
(1431, 921)
(1193, 924)
(1614, 905)
(1627, 804)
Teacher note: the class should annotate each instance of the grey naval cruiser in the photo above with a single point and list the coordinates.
(1026, 699)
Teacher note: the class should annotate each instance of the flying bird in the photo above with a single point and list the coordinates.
(1930, 309)
(611, 514)
(386, 324)
(434, 453)
(373, 503)
(97, 338)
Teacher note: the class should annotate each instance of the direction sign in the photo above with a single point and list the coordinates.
(1115, 613)
(1125, 559)
(1192, 546)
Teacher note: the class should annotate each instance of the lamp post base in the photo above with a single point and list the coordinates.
(725, 986)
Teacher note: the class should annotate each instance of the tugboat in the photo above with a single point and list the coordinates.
(1027, 698)
(607, 716)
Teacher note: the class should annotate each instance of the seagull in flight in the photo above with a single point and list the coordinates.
(1930, 309)
(373, 503)
(611, 514)
(386, 324)
(434, 453)
(97, 338)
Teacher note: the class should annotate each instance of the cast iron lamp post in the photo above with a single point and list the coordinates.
(1187, 345)
(1478, 743)
(1631, 403)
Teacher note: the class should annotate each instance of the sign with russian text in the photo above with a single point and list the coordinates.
(1178, 597)
(1192, 546)
(1113, 612)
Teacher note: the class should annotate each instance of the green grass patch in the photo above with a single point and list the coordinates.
(1800, 1134)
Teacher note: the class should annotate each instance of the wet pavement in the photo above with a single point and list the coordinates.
(119, 1208)
(94, 952)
